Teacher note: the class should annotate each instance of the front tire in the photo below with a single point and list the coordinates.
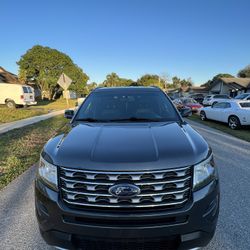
(234, 122)
(203, 116)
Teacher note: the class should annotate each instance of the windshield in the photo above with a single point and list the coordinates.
(117, 106)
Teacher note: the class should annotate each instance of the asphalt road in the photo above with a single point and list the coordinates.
(18, 227)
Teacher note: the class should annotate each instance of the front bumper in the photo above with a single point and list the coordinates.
(28, 103)
(189, 227)
(207, 103)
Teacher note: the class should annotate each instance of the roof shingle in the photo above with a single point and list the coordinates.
(7, 77)
(243, 82)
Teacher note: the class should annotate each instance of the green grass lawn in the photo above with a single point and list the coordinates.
(243, 133)
(42, 107)
(10, 115)
(54, 105)
(20, 148)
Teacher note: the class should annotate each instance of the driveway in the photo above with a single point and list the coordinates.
(18, 227)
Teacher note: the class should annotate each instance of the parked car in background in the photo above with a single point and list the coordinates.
(191, 103)
(244, 96)
(181, 108)
(14, 95)
(235, 113)
(212, 99)
(80, 100)
(197, 97)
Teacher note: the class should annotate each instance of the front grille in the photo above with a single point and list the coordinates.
(167, 188)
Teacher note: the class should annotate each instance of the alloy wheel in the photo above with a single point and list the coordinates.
(233, 122)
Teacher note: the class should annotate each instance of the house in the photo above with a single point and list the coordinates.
(187, 91)
(198, 90)
(230, 86)
(7, 77)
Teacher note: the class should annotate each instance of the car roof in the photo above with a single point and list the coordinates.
(235, 100)
(221, 94)
(126, 89)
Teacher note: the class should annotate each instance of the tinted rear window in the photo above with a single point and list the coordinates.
(245, 104)
(27, 90)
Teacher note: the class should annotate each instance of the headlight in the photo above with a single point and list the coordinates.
(204, 172)
(48, 173)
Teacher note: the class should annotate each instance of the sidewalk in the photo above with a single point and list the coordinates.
(21, 123)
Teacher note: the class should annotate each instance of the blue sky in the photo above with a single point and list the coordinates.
(187, 38)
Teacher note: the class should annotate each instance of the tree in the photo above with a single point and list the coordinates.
(89, 87)
(225, 75)
(176, 82)
(165, 80)
(186, 82)
(181, 83)
(151, 80)
(215, 78)
(43, 66)
(244, 72)
(113, 80)
(125, 82)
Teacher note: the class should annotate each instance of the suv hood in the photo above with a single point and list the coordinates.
(127, 147)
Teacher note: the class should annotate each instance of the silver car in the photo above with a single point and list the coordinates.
(209, 100)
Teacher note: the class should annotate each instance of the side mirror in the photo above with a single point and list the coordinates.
(69, 113)
(185, 112)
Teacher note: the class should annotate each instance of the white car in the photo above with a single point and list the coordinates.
(212, 99)
(233, 112)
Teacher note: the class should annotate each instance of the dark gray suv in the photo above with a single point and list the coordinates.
(130, 173)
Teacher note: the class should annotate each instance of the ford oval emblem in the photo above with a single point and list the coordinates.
(124, 190)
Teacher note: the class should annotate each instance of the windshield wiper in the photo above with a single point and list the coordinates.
(129, 119)
(89, 119)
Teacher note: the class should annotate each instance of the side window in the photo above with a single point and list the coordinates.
(248, 98)
(218, 105)
(217, 96)
(221, 96)
(227, 105)
(222, 105)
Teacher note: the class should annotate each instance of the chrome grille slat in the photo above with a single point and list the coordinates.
(139, 195)
(171, 187)
(82, 204)
(112, 183)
